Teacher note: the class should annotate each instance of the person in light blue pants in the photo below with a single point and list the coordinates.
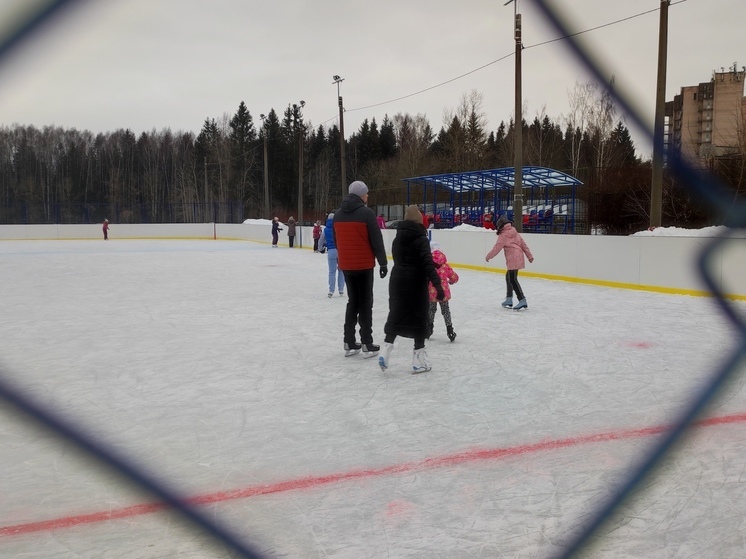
(336, 277)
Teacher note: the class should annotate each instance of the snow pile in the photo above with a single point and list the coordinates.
(713, 231)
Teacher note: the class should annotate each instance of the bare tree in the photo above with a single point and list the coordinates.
(581, 101)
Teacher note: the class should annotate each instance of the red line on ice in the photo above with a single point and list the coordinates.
(474, 455)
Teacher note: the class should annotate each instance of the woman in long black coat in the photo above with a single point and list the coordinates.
(408, 297)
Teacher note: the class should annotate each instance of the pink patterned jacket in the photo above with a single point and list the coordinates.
(447, 275)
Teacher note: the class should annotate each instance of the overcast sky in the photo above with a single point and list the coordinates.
(154, 64)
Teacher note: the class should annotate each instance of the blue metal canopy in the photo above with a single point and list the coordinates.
(452, 198)
(503, 178)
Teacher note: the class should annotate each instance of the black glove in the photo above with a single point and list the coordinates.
(440, 295)
(384, 271)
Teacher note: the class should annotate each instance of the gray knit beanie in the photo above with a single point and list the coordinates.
(359, 188)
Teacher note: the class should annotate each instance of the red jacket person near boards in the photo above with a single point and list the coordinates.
(359, 244)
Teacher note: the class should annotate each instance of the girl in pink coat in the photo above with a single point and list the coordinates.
(515, 247)
(447, 278)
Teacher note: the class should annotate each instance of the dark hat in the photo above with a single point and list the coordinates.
(501, 221)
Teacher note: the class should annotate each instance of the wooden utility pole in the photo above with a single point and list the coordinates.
(266, 179)
(518, 129)
(656, 188)
(266, 169)
(343, 170)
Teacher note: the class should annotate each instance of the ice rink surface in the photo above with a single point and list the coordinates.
(218, 366)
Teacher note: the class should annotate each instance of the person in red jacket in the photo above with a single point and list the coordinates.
(316, 235)
(359, 244)
(381, 222)
(106, 229)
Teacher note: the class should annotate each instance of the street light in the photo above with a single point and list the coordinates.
(296, 116)
(343, 172)
(266, 169)
(518, 144)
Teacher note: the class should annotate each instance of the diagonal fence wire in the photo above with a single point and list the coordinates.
(716, 196)
(97, 449)
(704, 186)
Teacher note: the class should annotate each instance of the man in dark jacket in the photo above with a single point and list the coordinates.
(359, 244)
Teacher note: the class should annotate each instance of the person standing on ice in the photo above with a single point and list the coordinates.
(409, 301)
(291, 231)
(515, 247)
(336, 277)
(105, 228)
(448, 277)
(275, 231)
(316, 235)
(359, 244)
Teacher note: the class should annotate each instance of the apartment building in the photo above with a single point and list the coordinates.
(706, 121)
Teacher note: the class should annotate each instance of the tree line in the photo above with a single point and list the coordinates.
(56, 175)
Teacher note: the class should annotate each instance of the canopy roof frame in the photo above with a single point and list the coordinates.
(499, 183)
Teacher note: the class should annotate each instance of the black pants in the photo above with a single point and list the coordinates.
(511, 279)
(419, 343)
(444, 308)
(291, 238)
(359, 305)
(315, 245)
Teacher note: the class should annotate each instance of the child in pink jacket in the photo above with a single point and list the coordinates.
(515, 247)
(447, 278)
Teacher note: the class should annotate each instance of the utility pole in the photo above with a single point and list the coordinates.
(518, 127)
(656, 188)
(206, 212)
(266, 170)
(343, 171)
(301, 133)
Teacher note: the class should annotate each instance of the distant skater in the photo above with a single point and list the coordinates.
(291, 231)
(275, 231)
(515, 247)
(336, 277)
(106, 229)
(448, 277)
(316, 235)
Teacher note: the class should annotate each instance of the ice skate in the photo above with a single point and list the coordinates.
(522, 305)
(370, 350)
(331, 294)
(341, 293)
(451, 333)
(352, 349)
(420, 363)
(383, 360)
(507, 303)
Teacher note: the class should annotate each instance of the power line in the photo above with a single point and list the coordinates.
(500, 60)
